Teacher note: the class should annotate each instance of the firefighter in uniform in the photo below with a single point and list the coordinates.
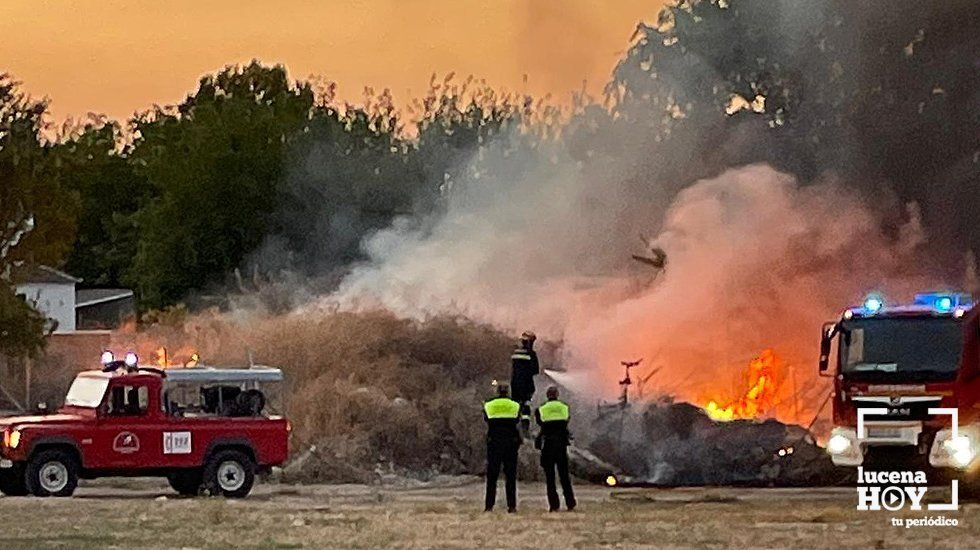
(524, 366)
(553, 441)
(503, 440)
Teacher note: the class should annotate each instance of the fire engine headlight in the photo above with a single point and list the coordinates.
(960, 449)
(963, 458)
(107, 357)
(838, 443)
(131, 359)
(958, 452)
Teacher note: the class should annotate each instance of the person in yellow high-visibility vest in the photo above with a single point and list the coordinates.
(503, 440)
(553, 417)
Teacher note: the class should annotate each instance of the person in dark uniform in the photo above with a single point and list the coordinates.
(503, 440)
(553, 418)
(524, 366)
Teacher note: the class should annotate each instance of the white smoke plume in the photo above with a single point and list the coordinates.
(754, 261)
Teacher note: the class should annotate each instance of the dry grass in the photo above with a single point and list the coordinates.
(369, 517)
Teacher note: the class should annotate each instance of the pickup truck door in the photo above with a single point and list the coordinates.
(130, 430)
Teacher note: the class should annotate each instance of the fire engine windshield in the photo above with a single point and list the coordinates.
(86, 392)
(915, 349)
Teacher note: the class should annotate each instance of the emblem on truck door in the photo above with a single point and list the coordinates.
(126, 443)
(176, 443)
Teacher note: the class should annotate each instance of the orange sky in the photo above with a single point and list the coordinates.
(120, 56)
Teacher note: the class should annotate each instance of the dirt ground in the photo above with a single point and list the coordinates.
(145, 514)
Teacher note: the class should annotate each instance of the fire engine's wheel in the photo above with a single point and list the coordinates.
(51, 473)
(185, 482)
(230, 474)
(12, 482)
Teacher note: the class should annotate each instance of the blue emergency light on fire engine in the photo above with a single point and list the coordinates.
(944, 302)
(874, 303)
(956, 303)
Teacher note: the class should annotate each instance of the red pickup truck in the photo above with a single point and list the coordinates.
(203, 428)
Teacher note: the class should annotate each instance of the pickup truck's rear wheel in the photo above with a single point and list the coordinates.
(229, 473)
(51, 473)
(12, 481)
(185, 482)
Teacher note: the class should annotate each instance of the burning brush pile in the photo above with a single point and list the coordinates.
(736, 443)
(677, 444)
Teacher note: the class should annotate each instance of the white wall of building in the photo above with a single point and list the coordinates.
(54, 300)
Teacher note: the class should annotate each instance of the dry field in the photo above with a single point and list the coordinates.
(145, 515)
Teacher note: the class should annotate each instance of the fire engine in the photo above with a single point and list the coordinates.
(203, 428)
(913, 368)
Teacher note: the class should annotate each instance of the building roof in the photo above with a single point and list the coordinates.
(45, 274)
(85, 297)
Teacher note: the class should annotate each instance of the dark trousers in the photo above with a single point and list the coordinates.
(523, 395)
(555, 456)
(501, 455)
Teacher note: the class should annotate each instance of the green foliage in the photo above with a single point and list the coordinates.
(213, 163)
(36, 214)
(868, 93)
(111, 194)
(30, 181)
(22, 328)
(353, 170)
(347, 172)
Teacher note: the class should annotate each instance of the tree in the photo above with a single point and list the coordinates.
(870, 93)
(347, 172)
(22, 328)
(213, 163)
(352, 170)
(36, 214)
(111, 193)
(30, 181)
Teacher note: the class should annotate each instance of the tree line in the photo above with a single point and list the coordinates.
(257, 170)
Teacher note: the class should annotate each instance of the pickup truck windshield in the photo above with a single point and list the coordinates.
(86, 392)
(908, 349)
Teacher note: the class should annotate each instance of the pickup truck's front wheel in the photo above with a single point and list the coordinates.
(51, 473)
(229, 473)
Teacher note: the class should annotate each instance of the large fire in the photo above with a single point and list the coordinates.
(763, 377)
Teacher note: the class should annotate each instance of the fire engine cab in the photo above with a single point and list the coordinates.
(203, 428)
(901, 372)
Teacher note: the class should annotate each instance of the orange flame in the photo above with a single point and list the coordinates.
(763, 379)
(165, 359)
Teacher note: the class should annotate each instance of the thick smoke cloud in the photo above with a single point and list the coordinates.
(773, 219)
(755, 261)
